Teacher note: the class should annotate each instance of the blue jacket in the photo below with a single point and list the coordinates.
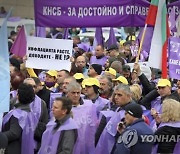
(130, 142)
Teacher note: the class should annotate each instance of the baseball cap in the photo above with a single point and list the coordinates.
(91, 82)
(134, 110)
(52, 73)
(121, 79)
(122, 42)
(78, 76)
(111, 71)
(113, 47)
(163, 83)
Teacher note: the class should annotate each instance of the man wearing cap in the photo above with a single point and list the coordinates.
(99, 57)
(94, 70)
(92, 93)
(79, 77)
(110, 72)
(50, 80)
(113, 51)
(120, 79)
(130, 139)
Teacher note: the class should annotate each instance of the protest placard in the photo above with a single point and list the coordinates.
(48, 54)
(174, 58)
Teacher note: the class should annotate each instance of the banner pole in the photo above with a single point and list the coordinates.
(141, 43)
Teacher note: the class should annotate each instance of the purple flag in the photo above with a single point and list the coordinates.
(174, 58)
(112, 38)
(40, 32)
(98, 40)
(147, 38)
(19, 46)
(66, 33)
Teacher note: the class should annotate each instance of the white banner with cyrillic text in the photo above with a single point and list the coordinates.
(48, 54)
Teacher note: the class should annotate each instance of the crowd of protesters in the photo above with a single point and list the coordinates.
(101, 106)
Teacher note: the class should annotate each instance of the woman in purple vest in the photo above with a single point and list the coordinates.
(15, 122)
(169, 128)
(61, 134)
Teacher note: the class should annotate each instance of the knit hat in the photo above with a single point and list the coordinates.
(3, 141)
(134, 110)
(97, 68)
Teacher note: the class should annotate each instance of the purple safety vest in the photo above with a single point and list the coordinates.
(100, 61)
(50, 138)
(86, 119)
(35, 107)
(100, 104)
(27, 122)
(107, 140)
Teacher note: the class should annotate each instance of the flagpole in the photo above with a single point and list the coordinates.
(141, 43)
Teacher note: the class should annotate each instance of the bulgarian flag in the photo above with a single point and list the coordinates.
(158, 50)
(151, 17)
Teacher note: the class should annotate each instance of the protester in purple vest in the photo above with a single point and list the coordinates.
(84, 113)
(106, 132)
(169, 127)
(19, 124)
(131, 132)
(164, 90)
(99, 57)
(61, 134)
(39, 108)
(92, 93)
